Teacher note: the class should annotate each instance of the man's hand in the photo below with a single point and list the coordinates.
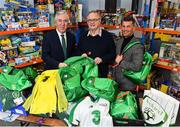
(119, 58)
(98, 60)
(62, 65)
(84, 55)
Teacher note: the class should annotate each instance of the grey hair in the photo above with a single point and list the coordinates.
(94, 11)
(62, 12)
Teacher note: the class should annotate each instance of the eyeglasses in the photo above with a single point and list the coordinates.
(63, 21)
(93, 20)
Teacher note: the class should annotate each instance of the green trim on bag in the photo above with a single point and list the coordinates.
(151, 105)
(130, 45)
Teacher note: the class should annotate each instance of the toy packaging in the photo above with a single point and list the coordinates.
(5, 43)
(174, 91)
(11, 52)
(22, 60)
(3, 59)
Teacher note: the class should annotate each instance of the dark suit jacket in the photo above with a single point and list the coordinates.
(52, 52)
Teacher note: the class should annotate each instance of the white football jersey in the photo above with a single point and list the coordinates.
(91, 113)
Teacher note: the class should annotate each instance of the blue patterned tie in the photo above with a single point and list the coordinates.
(64, 45)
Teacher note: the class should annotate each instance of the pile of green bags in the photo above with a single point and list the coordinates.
(14, 79)
(81, 77)
(12, 83)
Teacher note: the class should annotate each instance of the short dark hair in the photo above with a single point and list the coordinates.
(128, 19)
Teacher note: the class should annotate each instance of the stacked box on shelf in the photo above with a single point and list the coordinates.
(169, 54)
(22, 48)
(20, 14)
(9, 21)
(2, 59)
(174, 91)
(70, 5)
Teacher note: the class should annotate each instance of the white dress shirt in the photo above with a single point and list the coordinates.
(60, 37)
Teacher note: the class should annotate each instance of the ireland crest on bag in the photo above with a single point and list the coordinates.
(153, 112)
(159, 109)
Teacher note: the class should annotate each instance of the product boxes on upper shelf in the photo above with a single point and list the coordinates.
(139, 19)
(21, 48)
(167, 24)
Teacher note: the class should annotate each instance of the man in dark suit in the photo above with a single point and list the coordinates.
(58, 44)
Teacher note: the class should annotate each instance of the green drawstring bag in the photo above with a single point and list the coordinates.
(7, 69)
(83, 65)
(72, 83)
(14, 79)
(30, 72)
(10, 98)
(124, 106)
(78, 68)
(101, 87)
(139, 76)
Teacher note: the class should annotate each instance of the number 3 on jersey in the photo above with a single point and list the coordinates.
(96, 118)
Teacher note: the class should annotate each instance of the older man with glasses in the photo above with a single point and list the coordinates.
(58, 44)
(97, 44)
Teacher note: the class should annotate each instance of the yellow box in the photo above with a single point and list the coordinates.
(164, 88)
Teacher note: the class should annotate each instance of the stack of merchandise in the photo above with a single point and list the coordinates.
(171, 86)
(13, 83)
(77, 86)
(169, 55)
(22, 48)
(19, 14)
(113, 19)
(70, 5)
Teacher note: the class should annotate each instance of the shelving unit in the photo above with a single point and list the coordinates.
(26, 30)
(39, 60)
(84, 24)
